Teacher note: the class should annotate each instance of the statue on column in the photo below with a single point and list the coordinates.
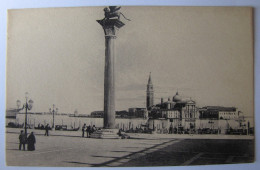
(113, 12)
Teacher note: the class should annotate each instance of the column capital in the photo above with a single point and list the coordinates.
(110, 26)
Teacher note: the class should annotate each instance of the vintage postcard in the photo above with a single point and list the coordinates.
(130, 86)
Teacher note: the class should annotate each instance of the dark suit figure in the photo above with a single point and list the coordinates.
(46, 130)
(31, 142)
(88, 131)
(83, 130)
(22, 140)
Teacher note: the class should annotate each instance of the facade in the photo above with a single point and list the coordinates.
(228, 115)
(218, 112)
(178, 112)
(149, 93)
(122, 114)
(11, 113)
(171, 114)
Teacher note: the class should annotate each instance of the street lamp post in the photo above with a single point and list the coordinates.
(28, 106)
(53, 111)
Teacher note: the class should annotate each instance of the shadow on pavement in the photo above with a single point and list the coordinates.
(97, 156)
(132, 147)
(117, 159)
(75, 162)
(146, 143)
(144, 138)
(123, 151)
(133, 154)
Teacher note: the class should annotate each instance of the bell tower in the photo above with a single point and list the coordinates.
(149, 93)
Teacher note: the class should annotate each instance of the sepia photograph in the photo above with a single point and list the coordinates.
(129, 86)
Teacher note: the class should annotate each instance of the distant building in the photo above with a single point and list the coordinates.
(138, 112)
(100, 114)
(171, 114)
(11, 113)
(149, 93)
(132, 113)
(122, 114)
(178, 112)
(97, 114)
(218, 112)
(177, 108)
(229, 113)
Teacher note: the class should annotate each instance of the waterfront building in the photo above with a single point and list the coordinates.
(179, 112)
(218, 112)
(97, 114)
(229, 114)
(131, 113)
(11, 113)
(122, 114)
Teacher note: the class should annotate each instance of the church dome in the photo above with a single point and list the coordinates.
(176, 98)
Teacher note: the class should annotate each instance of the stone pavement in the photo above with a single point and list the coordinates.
(64, 148)
(73, 151)
(198, 152)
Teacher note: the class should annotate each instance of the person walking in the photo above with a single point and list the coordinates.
(31, 142)
(22, 140)
(83, 130)
(46, 130)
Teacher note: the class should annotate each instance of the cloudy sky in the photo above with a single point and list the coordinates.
(57, 55)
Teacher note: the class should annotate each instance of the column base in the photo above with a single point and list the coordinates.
(106, 134)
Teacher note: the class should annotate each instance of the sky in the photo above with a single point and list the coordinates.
(57, 56)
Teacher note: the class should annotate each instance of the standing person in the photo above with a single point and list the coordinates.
(22, 140)
(83, 130)
(171, 128)
(31, 142)
(93, 128)
(46, 130)
(88, 131)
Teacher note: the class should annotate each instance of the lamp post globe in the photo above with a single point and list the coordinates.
(30, 104)
(18, 103)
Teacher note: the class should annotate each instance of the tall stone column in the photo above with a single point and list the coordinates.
(110, 26)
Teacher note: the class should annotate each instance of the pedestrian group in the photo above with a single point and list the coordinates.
(30, 141)
(88, 130)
